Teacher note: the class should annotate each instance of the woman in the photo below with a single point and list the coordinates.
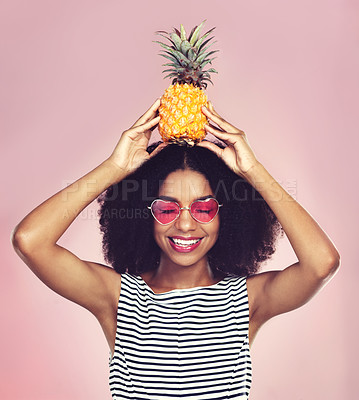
(183, 303)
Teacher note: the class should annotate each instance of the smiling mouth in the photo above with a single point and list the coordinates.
(184, 243)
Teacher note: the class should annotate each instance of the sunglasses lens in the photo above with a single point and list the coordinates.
(204, 211)
(165, 211)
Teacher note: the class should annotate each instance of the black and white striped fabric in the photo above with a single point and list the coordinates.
(184, 344)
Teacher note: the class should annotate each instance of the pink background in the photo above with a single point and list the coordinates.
(76, 73)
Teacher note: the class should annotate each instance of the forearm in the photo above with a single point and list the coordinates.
(47, 222)
(310, 243)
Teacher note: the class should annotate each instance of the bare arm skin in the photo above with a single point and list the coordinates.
(35, 240)
(91, 285)
(276, 292)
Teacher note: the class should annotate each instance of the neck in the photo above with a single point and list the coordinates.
(173, 276)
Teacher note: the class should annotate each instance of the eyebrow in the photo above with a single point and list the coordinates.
(169, 198)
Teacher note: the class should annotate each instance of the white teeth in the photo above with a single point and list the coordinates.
(181, 242)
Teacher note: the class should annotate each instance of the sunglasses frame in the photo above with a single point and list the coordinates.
(185, 208)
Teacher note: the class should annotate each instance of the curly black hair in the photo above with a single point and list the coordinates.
(248, 227)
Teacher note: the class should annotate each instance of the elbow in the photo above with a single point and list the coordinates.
(20, 240)
(15, 238)
(336, 263)
(330, 267)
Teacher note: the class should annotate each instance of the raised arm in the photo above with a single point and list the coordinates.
(89, 284)
(281, 291)
(277, 292)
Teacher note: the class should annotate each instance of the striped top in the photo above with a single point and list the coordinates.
(186, 343)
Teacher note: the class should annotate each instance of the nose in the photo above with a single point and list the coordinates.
(185, 222)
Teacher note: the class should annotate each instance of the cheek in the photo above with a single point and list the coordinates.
(158, 231)
(213, 230)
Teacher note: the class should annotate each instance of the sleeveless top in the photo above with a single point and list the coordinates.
(186, 343)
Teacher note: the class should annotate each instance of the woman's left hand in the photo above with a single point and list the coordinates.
(238, 155)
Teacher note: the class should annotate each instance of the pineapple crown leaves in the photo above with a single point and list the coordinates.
(188, 55)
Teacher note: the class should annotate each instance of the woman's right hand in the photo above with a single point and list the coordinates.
(130, 151)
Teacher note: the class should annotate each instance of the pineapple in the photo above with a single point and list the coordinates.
(181, 117)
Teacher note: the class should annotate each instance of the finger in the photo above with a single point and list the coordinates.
(146, 126)
(218, 120)
(224, 136)
(158, 149)
(211, 146)
(216, 127)
(211, 108)
(145, 129)
(149, 124)
(150, 113)
(216, 113)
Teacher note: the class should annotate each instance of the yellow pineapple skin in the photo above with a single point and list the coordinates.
(181, 117)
